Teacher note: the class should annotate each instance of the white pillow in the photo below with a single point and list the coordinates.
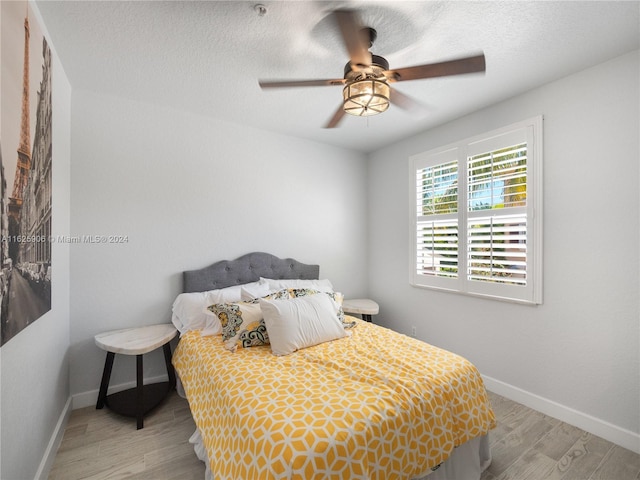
(301, 322)
(255, 290)
(190, 309)
(323, 285)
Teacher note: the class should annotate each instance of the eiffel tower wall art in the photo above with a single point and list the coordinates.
(25, 170)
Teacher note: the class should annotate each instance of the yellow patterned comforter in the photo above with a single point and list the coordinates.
(376, 405)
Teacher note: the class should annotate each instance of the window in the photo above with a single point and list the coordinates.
(477, 215)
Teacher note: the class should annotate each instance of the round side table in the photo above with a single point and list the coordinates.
(362, 306)
(138, 401)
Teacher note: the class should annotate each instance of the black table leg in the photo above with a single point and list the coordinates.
(170, 371)
(139, 392)
(106, 376)
(366, 317)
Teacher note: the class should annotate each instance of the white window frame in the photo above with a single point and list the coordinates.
(529, 131)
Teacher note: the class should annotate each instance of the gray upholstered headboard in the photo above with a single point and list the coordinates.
(248, 268)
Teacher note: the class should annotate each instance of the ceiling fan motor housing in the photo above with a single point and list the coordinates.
(376, 61)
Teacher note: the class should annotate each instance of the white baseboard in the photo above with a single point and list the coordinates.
(90, 398)
(620, 436)
(52, 448)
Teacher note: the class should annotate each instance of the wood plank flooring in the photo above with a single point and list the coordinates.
(526, 445)
(99, 444)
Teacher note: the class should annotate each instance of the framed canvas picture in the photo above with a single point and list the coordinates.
(25, 170)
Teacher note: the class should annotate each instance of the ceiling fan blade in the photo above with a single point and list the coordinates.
(300, 83)
(337, 116)
(350, 29)
(407, 103)
(441, 69)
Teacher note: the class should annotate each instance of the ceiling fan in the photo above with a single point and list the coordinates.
(367, 76)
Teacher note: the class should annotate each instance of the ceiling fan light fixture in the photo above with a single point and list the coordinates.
(369, 96)
(365, 84)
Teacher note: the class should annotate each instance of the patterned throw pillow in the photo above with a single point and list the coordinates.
(243, 323)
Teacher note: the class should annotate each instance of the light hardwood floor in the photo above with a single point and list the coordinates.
(526, 445)
(99, 444)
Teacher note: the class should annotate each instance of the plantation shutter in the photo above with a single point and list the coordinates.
(497, 249)
(436, 226)
(477, 207)
(497, 217)
(502, 250)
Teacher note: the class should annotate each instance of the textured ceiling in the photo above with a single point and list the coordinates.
(207, 56)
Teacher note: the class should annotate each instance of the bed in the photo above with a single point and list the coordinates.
(359, 402)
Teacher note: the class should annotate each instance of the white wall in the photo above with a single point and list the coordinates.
(35, 373)
(577, 355)
(188, 191)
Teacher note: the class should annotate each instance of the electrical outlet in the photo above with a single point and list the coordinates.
(413, 331)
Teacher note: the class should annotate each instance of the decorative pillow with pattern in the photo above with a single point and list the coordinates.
(279, 295)
(243, 323)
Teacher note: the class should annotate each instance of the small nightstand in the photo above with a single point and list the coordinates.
(363, 306)
(138, 401)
